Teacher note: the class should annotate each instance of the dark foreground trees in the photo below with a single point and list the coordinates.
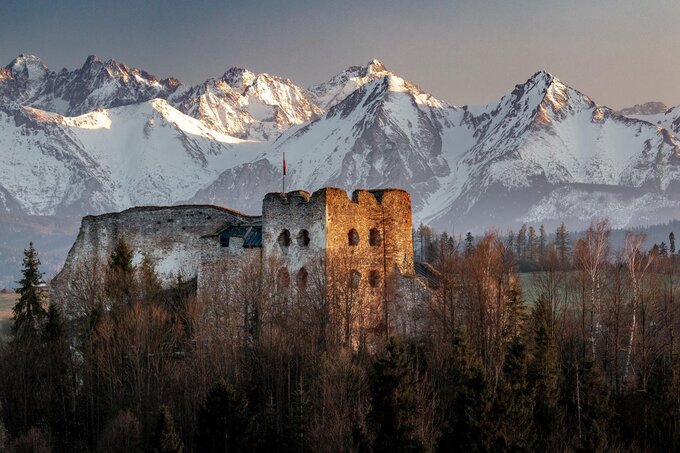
(580, 356)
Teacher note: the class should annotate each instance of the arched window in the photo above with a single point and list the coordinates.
(301, 279)
(303, 238)
(284, 238)
(374, 237)
(283, 278)
(353, 237)
(354, 279)
(374, 278)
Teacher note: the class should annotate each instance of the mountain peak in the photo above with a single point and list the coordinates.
(30, 66)
(239, 78)
(92, 59)
(343, 84)
(648, 108)
(547, 86)
(543, 79)
(375, 66)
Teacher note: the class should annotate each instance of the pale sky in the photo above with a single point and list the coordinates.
(619, 52)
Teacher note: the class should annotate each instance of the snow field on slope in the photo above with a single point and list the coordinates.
(583, 152)
(156, 154)
(38, 182)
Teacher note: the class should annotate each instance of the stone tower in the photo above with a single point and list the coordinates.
(369, 234)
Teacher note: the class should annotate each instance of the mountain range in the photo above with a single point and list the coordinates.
(105, 137)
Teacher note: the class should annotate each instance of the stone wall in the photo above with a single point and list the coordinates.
(183, 239)
(295, 212)
(373, 263)
(177, 238)
(398, 228)
(386, 211)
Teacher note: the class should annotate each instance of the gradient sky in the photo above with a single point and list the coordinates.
(619, 52)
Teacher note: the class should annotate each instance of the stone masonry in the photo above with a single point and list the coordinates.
(369, 234)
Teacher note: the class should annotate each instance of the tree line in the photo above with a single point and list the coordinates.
(578, 355)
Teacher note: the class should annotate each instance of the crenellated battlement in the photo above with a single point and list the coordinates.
(359, 196)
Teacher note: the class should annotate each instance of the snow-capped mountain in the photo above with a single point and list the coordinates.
(27, 81)
(327, 94)
(547, 153)
(106, 137)
(108, 159)
(543, 153)
(248, 105)
(385, 133)
(668, 118)
(648, 108)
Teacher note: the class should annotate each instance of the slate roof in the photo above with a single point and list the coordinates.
(428, 272)
(251, 235)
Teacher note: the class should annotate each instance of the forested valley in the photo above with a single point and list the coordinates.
(517, 342)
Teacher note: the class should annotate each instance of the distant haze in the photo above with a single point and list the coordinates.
(620, 52)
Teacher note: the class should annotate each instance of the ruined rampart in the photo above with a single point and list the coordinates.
(176, 238)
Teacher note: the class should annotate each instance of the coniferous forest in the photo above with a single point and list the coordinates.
(526, 341)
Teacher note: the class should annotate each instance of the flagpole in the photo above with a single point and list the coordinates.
(283, 181)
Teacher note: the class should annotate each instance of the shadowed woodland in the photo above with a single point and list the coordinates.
(578, 355)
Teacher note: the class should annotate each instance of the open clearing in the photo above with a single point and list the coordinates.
(7, 302)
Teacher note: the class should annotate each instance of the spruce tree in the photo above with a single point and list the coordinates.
(150, 287)
(663, 249)
(521, 242)
(223, 422)
(28, 312)
(469, 243)
(298, 420)
(121, 256)
(433, 251)
(120, 276)
(595, 410)
(510, 241)
(532, 246)
(446, 246)
(562, 243)
(166, 439)
(4, 435)
(516, 308)
(514, 404)
(392, 406)
(465, 400)
(542, 241)
(671, 241)
(57, 358)
(544, 374)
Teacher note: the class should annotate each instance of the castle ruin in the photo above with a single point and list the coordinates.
(366, 239)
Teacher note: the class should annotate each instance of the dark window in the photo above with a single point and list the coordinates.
(301, 279)
(284, 238)
(374, 237)
(303, 238)
(353, 237)
(224, 241)
(354, 279)
(283, 278)
(374, 278)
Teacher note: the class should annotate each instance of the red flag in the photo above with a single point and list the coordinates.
(284, 164)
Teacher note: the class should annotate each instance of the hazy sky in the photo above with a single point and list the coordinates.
(619, 52)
